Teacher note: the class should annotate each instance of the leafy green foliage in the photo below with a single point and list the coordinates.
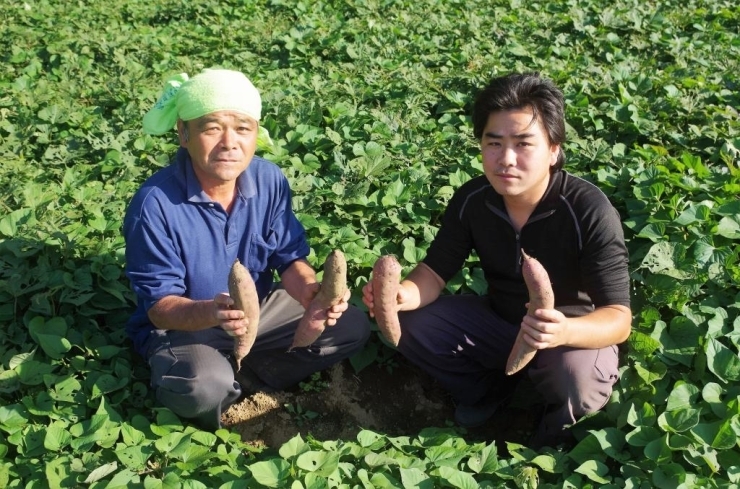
(368, 104)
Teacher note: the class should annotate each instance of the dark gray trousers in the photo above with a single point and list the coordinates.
(461, 342)
(192, 374)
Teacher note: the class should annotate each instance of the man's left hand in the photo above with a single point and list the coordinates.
(547, 328)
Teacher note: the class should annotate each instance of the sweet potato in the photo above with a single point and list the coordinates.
(541, 296)
(333, 289)
(386, 280)
(244, 293)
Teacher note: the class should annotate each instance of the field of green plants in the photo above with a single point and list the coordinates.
(368, 104)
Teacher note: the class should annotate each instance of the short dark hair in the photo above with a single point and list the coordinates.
(524, 90)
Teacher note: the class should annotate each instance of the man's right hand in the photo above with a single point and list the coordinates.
(231, 320)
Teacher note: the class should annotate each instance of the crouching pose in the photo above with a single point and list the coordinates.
(525, 201)
(184, 228)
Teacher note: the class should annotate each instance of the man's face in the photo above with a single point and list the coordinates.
(517, 155)
(220, 144)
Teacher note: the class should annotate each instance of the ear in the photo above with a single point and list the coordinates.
(182, 133)
(554, 153)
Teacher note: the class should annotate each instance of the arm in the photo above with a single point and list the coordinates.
(605, 326)
(603, 276)
(420, 287)
(299, 280)
(183, 314)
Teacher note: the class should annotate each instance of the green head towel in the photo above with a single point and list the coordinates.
(210, 91)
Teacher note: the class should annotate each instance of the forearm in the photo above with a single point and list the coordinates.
(609, 325)
(181, 313)
(421, 287)
(298, 279)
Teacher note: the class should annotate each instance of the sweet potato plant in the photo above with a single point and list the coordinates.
(368, 105)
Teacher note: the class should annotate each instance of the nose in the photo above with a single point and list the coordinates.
(228, 139)
(508, 156)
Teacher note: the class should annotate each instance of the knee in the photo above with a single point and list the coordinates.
(355, 325)
(583, 379)
(195, 397)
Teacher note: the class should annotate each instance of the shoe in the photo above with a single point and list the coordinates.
(558, 437)
(250, 383)
(475, 415)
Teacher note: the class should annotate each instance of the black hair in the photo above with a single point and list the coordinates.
(524, 90)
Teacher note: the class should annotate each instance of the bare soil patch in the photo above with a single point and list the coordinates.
(401, 401)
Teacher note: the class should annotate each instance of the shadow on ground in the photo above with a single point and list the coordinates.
(400, 401)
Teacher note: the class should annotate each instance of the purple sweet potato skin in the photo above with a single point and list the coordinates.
(541, 296)
(244, 293)
(386, 280)
(333, 289)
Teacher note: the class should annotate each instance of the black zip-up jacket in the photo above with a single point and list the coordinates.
(574, 232)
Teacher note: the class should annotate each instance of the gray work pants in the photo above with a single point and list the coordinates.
(192, 373)
(461, 342)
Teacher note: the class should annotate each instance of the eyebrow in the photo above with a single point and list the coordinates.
(495, 135)
(208, 120)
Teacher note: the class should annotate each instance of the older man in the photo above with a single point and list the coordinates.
(184, 228)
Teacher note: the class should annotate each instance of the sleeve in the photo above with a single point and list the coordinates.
(153, 265)
(453, 243)
(605, 259)
(288, 230)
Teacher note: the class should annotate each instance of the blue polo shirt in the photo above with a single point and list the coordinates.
(180, 242)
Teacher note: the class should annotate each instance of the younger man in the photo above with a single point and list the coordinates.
(524, 201)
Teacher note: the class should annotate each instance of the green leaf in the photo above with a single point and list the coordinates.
(484, 461)
(50, 335)
(411, 253)
(106, 383)
(679, 420)
(594, 470)
(443, 456)
(669, 476)
(135, 457)
(644, 415)
(458, 478)
(320, 463)
(57, 472)
(293, 447)
(721, 361)
(123, 479)
(9, 223)
(173, 445)
(370, 439)
(414, 478)
(57, 437)
(33, 372)
(658, 450)
(683, 396)
(642, 436)
(101, 472)
(719, 434)
(270, 473)
(729, 227)
(167, 422)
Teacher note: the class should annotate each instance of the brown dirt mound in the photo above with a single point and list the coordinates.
(397, 401)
